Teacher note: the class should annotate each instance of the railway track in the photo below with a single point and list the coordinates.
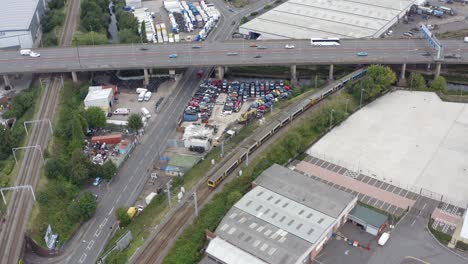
(21, 202)
(12, 234)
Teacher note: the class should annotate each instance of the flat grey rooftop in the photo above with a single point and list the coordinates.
(17, 14)
(411, 138)
(260, 238)
(304, 190)
(302, 19)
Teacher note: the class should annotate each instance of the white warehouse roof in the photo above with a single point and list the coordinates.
(302, 19)
(228, 253)
(17, 14)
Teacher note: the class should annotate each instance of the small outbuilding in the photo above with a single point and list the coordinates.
(371, 221)
(102, 98)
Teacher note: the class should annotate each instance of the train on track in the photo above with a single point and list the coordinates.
(249, 145)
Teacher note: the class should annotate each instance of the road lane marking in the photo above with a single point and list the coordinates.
(118, 198)
(97, 233)
(131, 178)
(125, 188)
(414, 221)
(110, 212)
(90, 245)
(104, 222)
(424, 206)
(83, 257)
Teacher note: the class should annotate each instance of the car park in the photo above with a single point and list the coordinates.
(287, 46)
(362, 54)
(173, 56)
(97, 181)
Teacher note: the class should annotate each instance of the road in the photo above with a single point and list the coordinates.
(113, 57)
(20, 204)
(89, 241)
(411, 238)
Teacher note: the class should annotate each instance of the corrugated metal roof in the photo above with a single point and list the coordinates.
(17, 14)
(369, 216)
(305, 190)
(229, 253)
(303, 19)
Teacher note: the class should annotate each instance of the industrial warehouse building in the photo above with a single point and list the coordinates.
(371, 221)
(303, 19)
(100, 96)
(286, 218)
(20, 22)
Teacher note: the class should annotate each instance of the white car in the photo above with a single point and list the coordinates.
(289, 46)
(34, 54)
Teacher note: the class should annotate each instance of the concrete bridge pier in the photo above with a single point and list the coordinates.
(6, 79)
(402, 80)
(437, 71)
(220, 72)
(330, 73)
(293, 75)
(146, 81)
(74, 77)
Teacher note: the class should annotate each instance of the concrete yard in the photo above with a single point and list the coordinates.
(411, 139)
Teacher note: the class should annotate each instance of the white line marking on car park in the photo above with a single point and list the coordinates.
(83, 257)
(90, 244)
(97, 233)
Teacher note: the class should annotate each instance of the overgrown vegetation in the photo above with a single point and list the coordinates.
(52, 21)
(94, 22)
(244, 20)
(461, 245)
(442, 237)
(376, 81)
(238, 3)
(59, 200)
(22, 108)
(127, 24)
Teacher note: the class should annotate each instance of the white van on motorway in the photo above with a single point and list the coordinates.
(383, 239)
(25, 52)
(148, 96)
(465, 39)
(141, 96)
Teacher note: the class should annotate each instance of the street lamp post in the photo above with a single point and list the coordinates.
(331, 118)
(360, 102)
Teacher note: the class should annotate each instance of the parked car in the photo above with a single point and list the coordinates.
(173, 56)
(97, 181)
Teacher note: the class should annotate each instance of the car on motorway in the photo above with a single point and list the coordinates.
(253, 45)
(173, 56)
(452, 56)
(261, 47)
(258, 56)
(232, 53)
(143, 48)
(97, 181)
(427, 54)
(34, 54)
(25, 52)
(362, 53)
(288, 46)
(196, 47)
(408, 34)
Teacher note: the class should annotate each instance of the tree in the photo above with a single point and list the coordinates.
(134, 122)
(108, 170)
(54, 168)
(128, 36)
(56, 4)
(51, 19)
(439, 84)
(417, 82)
(87, 205)
(382, 76)
(244, 20)
(95, 117)
(79, 167)
(128, 21)
(123, 217)
(116, 257)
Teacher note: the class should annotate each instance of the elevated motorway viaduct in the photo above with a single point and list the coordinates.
(144, 56)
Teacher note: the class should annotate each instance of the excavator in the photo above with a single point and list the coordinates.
(247, 116)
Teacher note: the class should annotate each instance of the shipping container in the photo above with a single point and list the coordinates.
(108, 139)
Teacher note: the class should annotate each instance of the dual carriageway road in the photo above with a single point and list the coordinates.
(138, 56)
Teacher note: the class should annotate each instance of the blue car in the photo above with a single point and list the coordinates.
(362, 54)
(97, 181)
(173, 56)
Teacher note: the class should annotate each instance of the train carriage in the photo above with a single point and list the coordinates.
(228, 167)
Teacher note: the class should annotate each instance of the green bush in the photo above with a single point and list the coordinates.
(116, 257)
(462, 246)
(253, 13)
(267, 7)
(49, 39)
(244, 20)
(442, 237)
(123, 217)
(51, 19)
